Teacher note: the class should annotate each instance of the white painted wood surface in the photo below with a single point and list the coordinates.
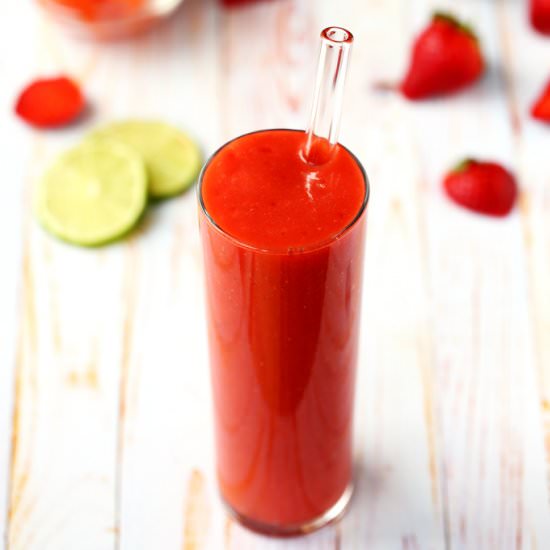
(105, 420)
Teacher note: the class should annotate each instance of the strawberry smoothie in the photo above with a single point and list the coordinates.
(283, 251)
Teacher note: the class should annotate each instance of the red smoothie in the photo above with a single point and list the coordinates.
(283, 251)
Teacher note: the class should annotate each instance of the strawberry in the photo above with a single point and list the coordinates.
(540, 15)
(51, 102)
(541, 107)
(445, 58)
(484, 187)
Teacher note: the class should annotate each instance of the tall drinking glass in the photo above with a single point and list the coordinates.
(282, 223)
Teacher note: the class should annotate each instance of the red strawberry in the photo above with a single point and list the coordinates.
(540, 15)
(484, 187)
(541, 107)
(445, 58)
(50, 102)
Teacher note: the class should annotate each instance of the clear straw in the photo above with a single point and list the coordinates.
(326, 110)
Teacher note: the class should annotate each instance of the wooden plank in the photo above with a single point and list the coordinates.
(16, 146)
(525, 57)
(164, 451)
(485, 378)
(268, 56)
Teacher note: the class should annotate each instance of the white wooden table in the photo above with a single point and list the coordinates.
(105, 420)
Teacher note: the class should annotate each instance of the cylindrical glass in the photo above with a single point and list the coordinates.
(283, 330)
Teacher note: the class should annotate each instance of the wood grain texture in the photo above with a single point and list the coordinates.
(525, 58)
(164, 448)
(105, 413)
(15, 146)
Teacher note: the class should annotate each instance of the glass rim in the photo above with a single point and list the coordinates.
(289, 250)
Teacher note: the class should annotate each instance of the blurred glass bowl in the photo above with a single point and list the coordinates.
(108, 19)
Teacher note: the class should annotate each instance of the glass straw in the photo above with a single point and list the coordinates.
(326, 110)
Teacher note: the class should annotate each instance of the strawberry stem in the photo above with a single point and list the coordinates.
(462, 166)
(453, 20)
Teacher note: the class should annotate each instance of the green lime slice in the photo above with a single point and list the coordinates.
(173, 160)
(93, 194)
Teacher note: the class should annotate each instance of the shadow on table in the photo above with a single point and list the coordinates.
(323, 539)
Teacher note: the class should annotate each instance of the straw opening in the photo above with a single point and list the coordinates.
(337, 34)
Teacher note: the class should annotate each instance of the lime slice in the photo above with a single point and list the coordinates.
(93, 194)
(173, 160)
